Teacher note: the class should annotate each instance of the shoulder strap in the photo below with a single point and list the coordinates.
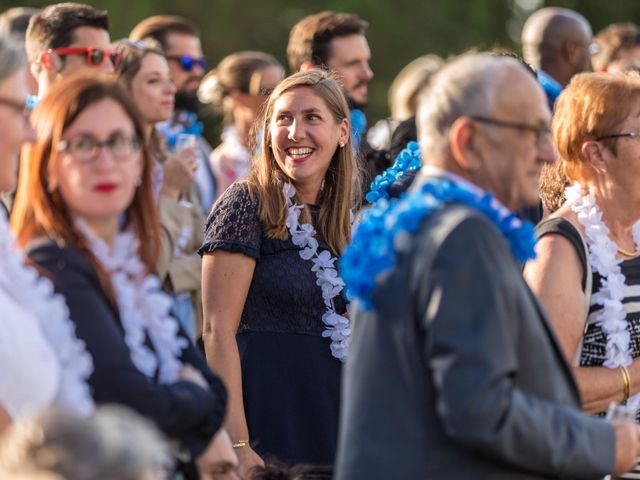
(562, 226)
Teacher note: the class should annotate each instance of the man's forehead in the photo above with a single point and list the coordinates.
(350, 47)
(86, 36)
(183, 43)
(521, 98)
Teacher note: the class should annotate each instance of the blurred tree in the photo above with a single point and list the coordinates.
(399, 30)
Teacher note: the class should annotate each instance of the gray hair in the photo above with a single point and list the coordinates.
(12, 57)
(465, 86)
(114, 443)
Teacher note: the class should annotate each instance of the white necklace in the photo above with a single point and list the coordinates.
(143, 306)
(602, 257)
(336, 326)
(28, 288)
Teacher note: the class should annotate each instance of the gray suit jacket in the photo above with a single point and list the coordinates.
(457, 373)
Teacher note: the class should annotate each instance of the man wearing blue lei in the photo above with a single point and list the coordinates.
(453, 370)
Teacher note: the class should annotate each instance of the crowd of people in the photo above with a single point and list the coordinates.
(451, 293)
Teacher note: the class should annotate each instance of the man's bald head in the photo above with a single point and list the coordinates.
(557, 40)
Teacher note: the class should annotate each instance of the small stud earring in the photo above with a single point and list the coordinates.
(341, 144)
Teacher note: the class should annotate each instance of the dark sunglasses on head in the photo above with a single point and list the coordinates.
(94, 56)
(187, 62)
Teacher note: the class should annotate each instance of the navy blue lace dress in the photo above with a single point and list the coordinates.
(290, 380)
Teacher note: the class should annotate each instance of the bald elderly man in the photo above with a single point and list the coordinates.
(557, 42)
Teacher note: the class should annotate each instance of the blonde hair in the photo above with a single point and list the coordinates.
(340, 189)
(409, 83)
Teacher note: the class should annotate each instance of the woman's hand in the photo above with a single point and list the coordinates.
(190, 374)
(248, 460)
(179, 172)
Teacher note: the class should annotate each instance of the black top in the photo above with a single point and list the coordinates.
(290, 380)
(234, 226)
(182, 410)
(594, 344)
(563, 227)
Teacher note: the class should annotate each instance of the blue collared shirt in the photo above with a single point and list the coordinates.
(550, 86)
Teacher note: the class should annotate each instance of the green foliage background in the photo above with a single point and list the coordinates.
(399, 30)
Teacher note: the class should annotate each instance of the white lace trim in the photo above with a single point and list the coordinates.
(28, 288)
(336, 326)
(602, 257)
(143, 306)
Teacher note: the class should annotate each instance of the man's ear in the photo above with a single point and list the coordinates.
(51, 62)
(571, 52)
(462, 143)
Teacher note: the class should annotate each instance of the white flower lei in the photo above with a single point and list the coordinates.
(602, 257)
(28, 288)
(143, 306)
(336, 326)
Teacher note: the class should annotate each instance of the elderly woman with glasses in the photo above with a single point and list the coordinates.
(587, 272)
(85, 212)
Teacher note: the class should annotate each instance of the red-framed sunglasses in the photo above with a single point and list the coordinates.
(95, 56)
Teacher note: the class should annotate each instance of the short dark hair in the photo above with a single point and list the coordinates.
(53, 26)
(14, 21)
(310, 38)
(159, 26)
(614, 39)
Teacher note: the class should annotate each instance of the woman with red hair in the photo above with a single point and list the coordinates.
(85, 213)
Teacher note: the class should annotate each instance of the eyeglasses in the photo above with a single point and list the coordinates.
(542, 133)
(594, 48)
(19, 107)
(94, 56)
(85, 148)
(619, 135)
(187, 62)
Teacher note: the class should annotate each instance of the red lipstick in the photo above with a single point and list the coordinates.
(105, 187)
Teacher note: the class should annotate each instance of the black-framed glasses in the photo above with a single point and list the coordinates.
(86, 148)
(619, 135)
(19, 107)
(542, 132)
(187, 62)
(93, 55)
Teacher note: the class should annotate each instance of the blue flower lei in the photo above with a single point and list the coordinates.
(373, 250)
(407, 160)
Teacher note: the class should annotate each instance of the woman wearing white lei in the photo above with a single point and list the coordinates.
(596, 122)
(271, 291)
(85, 211)
(42, 363)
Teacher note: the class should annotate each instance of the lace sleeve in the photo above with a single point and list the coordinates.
(234, 224)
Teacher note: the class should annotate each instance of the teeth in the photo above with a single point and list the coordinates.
(300, 152)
